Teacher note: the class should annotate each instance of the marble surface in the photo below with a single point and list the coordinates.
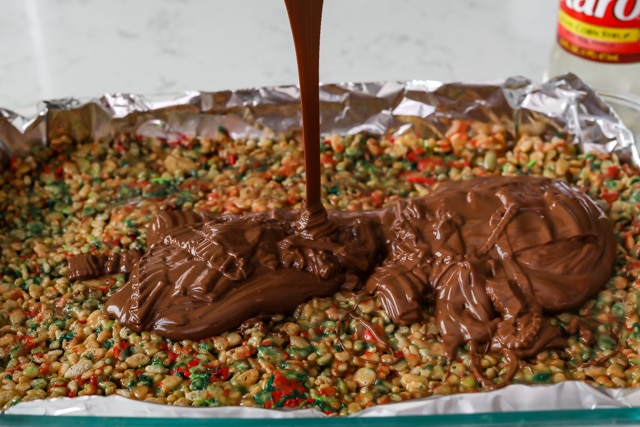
(85, 48)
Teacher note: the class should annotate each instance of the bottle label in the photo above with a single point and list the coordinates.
(600, 30)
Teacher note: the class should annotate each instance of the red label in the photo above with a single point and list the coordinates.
(600, 30)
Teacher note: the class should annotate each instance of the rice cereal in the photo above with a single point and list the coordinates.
(69, 198)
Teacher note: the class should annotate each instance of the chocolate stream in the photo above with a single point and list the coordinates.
(305, 17)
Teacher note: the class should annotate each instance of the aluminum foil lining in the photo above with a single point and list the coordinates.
(570, 395)
(562, 104)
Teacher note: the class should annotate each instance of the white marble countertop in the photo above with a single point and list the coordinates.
(85, 48)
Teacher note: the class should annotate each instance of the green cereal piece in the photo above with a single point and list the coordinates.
(469, 381)
(145, 380)
(199, 380)
(619, 311)
(270, 354)
(606, 342)
(39, 384)
(31, 371)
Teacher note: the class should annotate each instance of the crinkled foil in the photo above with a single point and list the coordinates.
(569, 395)
(559, 105)
(564, 103)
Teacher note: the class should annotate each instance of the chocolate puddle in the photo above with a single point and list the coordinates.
(494, 255)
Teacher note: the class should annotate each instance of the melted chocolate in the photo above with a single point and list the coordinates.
(494, 254)
(305, 18)
(87, 266)
(203, 278)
